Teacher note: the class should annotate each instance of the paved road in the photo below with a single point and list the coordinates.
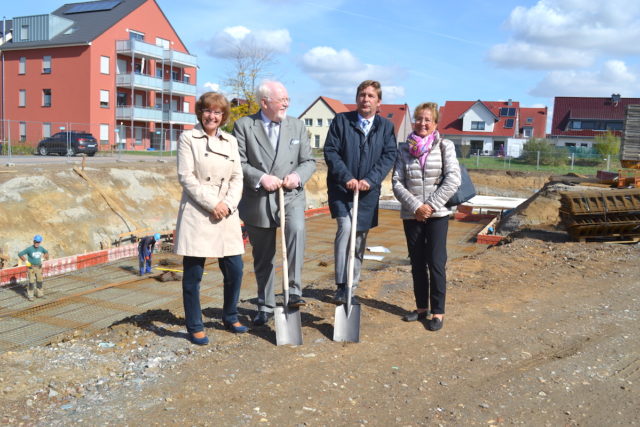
(107, 158)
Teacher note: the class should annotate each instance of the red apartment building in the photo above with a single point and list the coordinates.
(115, 68)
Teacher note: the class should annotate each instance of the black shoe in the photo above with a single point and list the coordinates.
(341, 296)
(435, 324)
(262, 318)
(296, 301)
(414, 315)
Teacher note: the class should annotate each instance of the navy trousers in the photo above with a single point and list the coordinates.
(231, 268)
(427, 244)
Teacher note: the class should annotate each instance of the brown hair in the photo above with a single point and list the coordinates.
(373, 83)
(435, 114)
(210, 100)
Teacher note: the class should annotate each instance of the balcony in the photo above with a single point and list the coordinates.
(179, 59)
(177, 117)
(139, 49)
(140, 81)
(179, 88)
(141, 114)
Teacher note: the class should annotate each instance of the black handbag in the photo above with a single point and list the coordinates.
(465, 192)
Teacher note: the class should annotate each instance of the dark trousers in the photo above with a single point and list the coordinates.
(193, 267)
(427, 244)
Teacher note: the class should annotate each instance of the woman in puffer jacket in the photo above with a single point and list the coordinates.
(425, 176)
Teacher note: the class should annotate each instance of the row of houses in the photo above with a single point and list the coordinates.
(494, 127)
(118, 69)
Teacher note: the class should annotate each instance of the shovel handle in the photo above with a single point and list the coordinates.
(283, 241)
(352, 245)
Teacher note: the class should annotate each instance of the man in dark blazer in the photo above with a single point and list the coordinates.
(360, 150)
(275, 152)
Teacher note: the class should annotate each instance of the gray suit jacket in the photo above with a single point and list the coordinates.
(259, 207)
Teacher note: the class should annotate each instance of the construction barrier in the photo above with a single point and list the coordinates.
(53, 267)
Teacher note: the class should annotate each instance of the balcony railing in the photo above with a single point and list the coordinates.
(180, 59)
(139, 81)
(179, 118)
(139, 48)
(179, 88)
(142, 114)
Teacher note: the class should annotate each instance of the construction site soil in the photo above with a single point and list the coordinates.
(539, 330)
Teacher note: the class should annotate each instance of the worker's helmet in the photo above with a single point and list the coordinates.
(156, 237)
(37, 238)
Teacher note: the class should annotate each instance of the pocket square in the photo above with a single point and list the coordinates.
(294, 142)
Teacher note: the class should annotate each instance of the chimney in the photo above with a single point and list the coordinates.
(615, 98)
(509, 102)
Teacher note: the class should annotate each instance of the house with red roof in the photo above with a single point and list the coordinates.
(490, 127)
(318, 116)
(578, 120)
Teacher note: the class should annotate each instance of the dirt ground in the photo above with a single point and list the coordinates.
(538, 331)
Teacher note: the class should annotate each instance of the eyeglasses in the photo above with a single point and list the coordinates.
(281, 100)
(213, 113)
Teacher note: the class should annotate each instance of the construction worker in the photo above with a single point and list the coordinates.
(34, 255)
(145, 249)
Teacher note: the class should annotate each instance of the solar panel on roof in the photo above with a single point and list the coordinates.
(94, 6)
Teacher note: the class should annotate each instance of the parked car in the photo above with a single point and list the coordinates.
(68, 143)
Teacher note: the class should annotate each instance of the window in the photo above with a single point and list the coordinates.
(46, 130)
(529, 119)
(329, 121)
(614, 125)
(507, 112)
(104, 134)
(162, 43)
(104, 64)
(158, 71)
(319, 122)
(138, 135)
(104, 98)
(576, 124)
(508, 124)
(527, 131)
(186, 79)
(46, 97)
(46, 65)
(317, 141)
(122, 99)
(23, 131)
(477, 125)
(175, 75)
(24, 32)
(135, 35)
(308, 122)
(185, 107)
(22, 98)
(22, 65)
(390, 115)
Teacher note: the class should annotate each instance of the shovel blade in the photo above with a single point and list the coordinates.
(288, 326)
(347, 325)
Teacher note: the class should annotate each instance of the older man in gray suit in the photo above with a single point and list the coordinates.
(275, 152)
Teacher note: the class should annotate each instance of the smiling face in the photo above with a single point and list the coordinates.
(275, 105)
(368, 102)
(424, 122)
(211, 119)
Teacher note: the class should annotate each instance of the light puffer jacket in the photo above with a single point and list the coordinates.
(434, 184)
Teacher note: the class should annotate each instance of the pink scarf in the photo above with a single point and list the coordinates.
(420, 147)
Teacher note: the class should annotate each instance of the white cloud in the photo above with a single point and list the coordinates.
(226, 42)
(340, 72)
(215, 87)
(521, 54)
(614, 77)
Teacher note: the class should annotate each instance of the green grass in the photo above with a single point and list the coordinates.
(486, 162)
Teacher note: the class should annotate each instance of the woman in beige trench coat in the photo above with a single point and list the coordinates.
(208, 224)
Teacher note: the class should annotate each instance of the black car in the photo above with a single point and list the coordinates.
(68, 143)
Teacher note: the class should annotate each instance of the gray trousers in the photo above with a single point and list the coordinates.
(341, 251)
(263, 242)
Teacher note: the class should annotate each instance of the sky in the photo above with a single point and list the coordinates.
(420, 50)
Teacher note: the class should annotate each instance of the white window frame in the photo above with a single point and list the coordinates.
(317, 141)
(186, 78)
(46, 64)
(46, 130)
(527, 131)
(24, 32)
(22, 131)
(185, 107)
(163, 43)
(319, 122)
(137, 35)
(104, 98)
(22, 65)
(477, 125)
(104, 133)
(308, 122)
(44, 98)
(105, 64)
(22, 98)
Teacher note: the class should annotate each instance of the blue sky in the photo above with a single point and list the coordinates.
(526, 50)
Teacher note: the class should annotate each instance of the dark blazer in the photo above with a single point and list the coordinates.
(257, 206)
(349, 154)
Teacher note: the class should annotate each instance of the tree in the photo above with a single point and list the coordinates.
(249, 65)
(549, 154)
(607, 144)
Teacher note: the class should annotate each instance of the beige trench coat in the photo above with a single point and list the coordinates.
(209, 171)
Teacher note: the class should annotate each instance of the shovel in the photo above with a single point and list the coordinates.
(347, 325)
(288, 324)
